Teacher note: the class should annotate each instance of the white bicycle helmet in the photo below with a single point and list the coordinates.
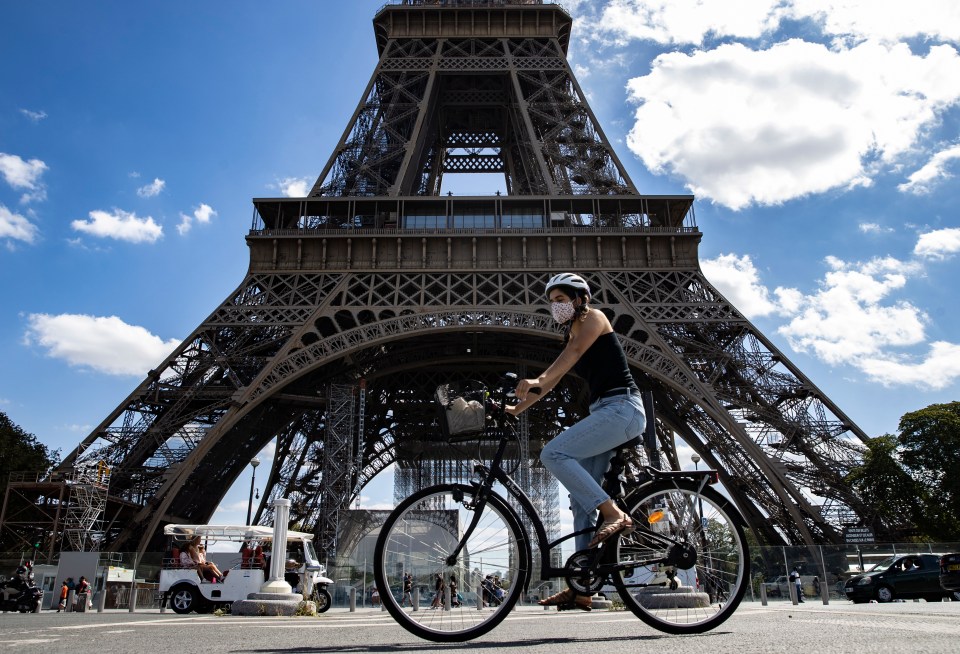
(567, 279)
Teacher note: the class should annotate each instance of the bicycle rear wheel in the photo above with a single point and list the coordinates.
(668, 597)
(418, 537)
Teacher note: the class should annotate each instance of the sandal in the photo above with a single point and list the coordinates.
(623, 524)
(566, 600)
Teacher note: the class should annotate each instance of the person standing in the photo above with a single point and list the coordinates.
(795, 580)
(407, 590)
(64, 592)
(83, 592)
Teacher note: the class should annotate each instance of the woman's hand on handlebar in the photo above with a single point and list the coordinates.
(527, 386)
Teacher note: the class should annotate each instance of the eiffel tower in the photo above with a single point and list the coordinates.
(365, 295)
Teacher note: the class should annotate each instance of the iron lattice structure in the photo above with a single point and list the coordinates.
(376, 277)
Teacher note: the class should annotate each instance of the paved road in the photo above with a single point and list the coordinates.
(840, 627)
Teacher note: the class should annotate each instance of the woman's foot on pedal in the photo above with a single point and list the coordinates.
(623, 524)
(566, 600)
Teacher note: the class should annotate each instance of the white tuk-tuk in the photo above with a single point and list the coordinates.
(187, 590)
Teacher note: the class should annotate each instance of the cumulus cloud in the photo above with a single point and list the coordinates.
(25, 175)
(846, 319)
(934, 171)
(295, 187)
(119, 225)
(685, 21)
(744, 127)
(852, 319)
(152, 189)
(938, 244)
(15, 227)
(34, 116)
(691, 22)
(738, 280)
(103, 344)
(202, 214)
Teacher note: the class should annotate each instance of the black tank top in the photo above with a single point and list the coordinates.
(605, 368)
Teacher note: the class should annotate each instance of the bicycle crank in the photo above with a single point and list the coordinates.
(581, 574)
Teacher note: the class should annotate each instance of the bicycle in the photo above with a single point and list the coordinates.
(684, 568)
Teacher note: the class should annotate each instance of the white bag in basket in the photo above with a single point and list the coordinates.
(463, 416)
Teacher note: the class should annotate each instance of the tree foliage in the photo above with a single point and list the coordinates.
(21, 451)
(883, 484)
(910, 480)
(930, 452)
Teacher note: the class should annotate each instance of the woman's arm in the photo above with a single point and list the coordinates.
(583, 335)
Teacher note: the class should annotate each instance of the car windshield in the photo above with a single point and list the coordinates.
(883, 565)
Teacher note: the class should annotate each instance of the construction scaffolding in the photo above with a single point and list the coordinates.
(83, 522)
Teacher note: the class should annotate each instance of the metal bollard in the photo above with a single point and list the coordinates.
(71, 598)
(792, 589)
(353, 599)
(763, 594)
(416, 598)
(102, 598)
(133, 596)
(39, 604)
(480, 597)
(446, 598)
(163, 603)
(825, 593)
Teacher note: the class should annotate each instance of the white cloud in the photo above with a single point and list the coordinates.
(923, 180)
(103, 344)
(737, 280)
(744, 127)
(295, 187)
(16, 227)
(34, 116)
(938, 244)
(152, 189)
(25, 175)
(121, 226)
(852, 319)
(874, 228)
(937, 370)
(202, 214)
(686, 22)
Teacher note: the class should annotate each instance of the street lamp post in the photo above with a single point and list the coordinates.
(253, 462)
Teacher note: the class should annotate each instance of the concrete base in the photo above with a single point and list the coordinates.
(664, 598)
(597, 603)
(276, 586)
(273, 604)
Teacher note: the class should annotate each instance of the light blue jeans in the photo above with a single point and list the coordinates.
(580, 455)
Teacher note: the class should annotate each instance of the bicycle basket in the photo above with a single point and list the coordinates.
(461, 408)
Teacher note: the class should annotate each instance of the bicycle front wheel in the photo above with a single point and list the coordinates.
(682, 596)
(489, 572)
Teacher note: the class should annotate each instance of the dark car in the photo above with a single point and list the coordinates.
(950, 572)
(913, 576)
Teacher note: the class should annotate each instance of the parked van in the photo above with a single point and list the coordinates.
(187, 590)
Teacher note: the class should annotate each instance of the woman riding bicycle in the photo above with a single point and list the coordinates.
(579, 456)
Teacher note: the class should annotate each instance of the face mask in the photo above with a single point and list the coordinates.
(562, 311)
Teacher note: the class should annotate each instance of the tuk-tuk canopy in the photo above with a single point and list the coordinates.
(238, 533)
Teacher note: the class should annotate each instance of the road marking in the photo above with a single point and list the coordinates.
(28, 641)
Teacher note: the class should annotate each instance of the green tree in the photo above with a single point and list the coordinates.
(930, 450)
(885, 486)
(20, 451)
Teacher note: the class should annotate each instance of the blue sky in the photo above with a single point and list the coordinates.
(820, 138)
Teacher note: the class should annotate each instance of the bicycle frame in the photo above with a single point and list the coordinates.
(495, 473)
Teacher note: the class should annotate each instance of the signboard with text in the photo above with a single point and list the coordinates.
(858, 535)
